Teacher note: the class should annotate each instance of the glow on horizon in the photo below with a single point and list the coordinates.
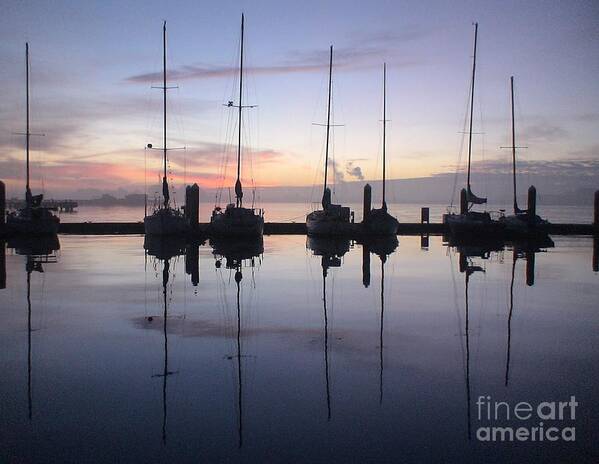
(98, 111)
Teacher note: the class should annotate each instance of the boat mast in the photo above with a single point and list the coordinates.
(471, 109)
(384, 126)
(516, 209)
(27, 133)
(165, 192)
(238, 189)
(326, 160)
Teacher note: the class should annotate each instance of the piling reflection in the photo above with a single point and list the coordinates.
(164, 248)
(331, 250)
(237, 255)
(38, 252)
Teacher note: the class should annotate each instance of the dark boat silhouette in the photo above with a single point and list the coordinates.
(33, 219)
(379, 221)
(165, 219)
(524, 222)
(331, 220)
(469, 223)
(235, 220)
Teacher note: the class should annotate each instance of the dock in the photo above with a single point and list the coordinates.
(293, 228)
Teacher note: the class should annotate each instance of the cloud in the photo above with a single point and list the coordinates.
(579, 168)
(543, 131)
(363, 51)
(354, 170)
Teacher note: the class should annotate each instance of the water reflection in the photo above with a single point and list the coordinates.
(522, 250)
(382, 247)
(300, 366)
(38, 252)
(331, 250)
(236, 255)
(471, 257)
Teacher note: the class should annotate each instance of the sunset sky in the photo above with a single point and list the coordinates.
(93, 65)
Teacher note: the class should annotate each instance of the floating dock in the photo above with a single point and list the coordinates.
(293, 228)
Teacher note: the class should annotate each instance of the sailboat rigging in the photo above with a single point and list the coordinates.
(472, 223)
(379, 221)
(165, 220)
(237, 221)
(524, 222)
(332, 219)
(33, 219)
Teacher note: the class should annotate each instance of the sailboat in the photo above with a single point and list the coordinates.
(524, 221)
(165, 220)
(379, 221)
(237, 221)
(33, 219)
(467, 222)
(331, 219)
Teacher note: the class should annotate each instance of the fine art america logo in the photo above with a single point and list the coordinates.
(544, 421)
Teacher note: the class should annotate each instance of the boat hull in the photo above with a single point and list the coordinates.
(166, 222)
(236, 222)
(326, 224)
(522, 227)
(32, 222)
(474, 225)
(379, 223)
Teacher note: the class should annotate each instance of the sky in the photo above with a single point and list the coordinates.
(93, 66)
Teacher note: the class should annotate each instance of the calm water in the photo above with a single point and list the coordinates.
(251, 366)
(296, 212)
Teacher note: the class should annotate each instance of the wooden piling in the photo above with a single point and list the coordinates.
(367, 201)
(192, 205)
(3, 205)
(596, 215)
(532, 203)
(2, 264)
(595, 254)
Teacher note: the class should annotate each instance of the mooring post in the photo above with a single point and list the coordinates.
(2, 264)
(367, 201)
(192, 205)
(595, 253)
(532, 203)
(3, 205)
(463, 201)
(596, 215)
(424, 215)
(366, 265)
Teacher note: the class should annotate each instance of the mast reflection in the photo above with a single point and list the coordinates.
(382, 247)
(331, 250)
(467, 253)
(163, 249)
(522, 250)
(38, 251)
(236, 254)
